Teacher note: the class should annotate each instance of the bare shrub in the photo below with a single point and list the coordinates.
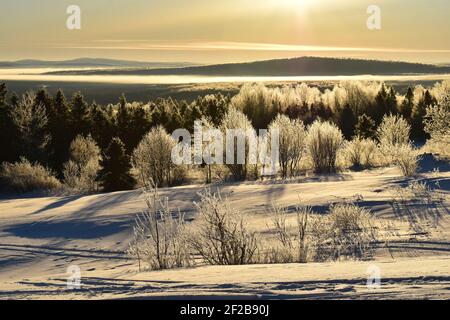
(81, 170)
(152, 159)
(323, 141)
(24, 176)
(283, 251)
(302, 234)
(291, 241)
(419, 205)
(346, 231)
(360, 152)
(221, 235)
(292, 137)
(159, 235)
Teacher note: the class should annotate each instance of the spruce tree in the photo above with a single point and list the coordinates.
(407, 105)
(365, 128)
(59, 125)
(115, 174)
(6, 127)
(418, 115)
(140, 124)
(381, 107)
(123, 120)
(347, 122)
(3, 92)
(81, 121)
(104, 129)
(391, 102)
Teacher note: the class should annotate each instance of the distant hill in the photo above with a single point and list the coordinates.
(303, 66)
(90, 63)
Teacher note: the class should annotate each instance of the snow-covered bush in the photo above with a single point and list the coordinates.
(346, 231)
(24, 176)
(407, 159)
(292, 136)
(159, 235)
(323, 141)
(81, 170)
(360, 152)
(220, 233)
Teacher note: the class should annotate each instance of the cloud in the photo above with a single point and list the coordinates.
(234, 46)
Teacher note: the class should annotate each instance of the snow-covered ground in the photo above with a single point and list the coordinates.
(40, 237)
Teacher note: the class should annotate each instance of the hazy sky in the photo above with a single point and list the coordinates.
(211, 31)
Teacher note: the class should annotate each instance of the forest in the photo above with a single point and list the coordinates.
(85, 146)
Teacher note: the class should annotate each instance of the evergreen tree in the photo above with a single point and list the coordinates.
(391, 102)
(123, 120)
(81, 120)
(3, 92)
(365, 128)
(59, 128)
(104, 129)
(347, 122)
(115, 174)
(214, 107)
(43, 98)
(166, 112)
(408, 104)
(6, 127)
(29, 127)
(385, 104)
(418, 115)
(14, 99)
(140, 124)
(381, 105)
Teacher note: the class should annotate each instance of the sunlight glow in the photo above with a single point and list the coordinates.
(293, 4)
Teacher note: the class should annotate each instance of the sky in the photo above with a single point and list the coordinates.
(213, 31)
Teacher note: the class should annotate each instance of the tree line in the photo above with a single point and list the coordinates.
(59, 132)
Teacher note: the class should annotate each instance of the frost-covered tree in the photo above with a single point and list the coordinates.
(30, 122)
(152, 159)
(393, 136)
(437, 120)
(259, 104)
(323, 141)
(81, 170)
(393, 131)
(292, 136)
(236, 120)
